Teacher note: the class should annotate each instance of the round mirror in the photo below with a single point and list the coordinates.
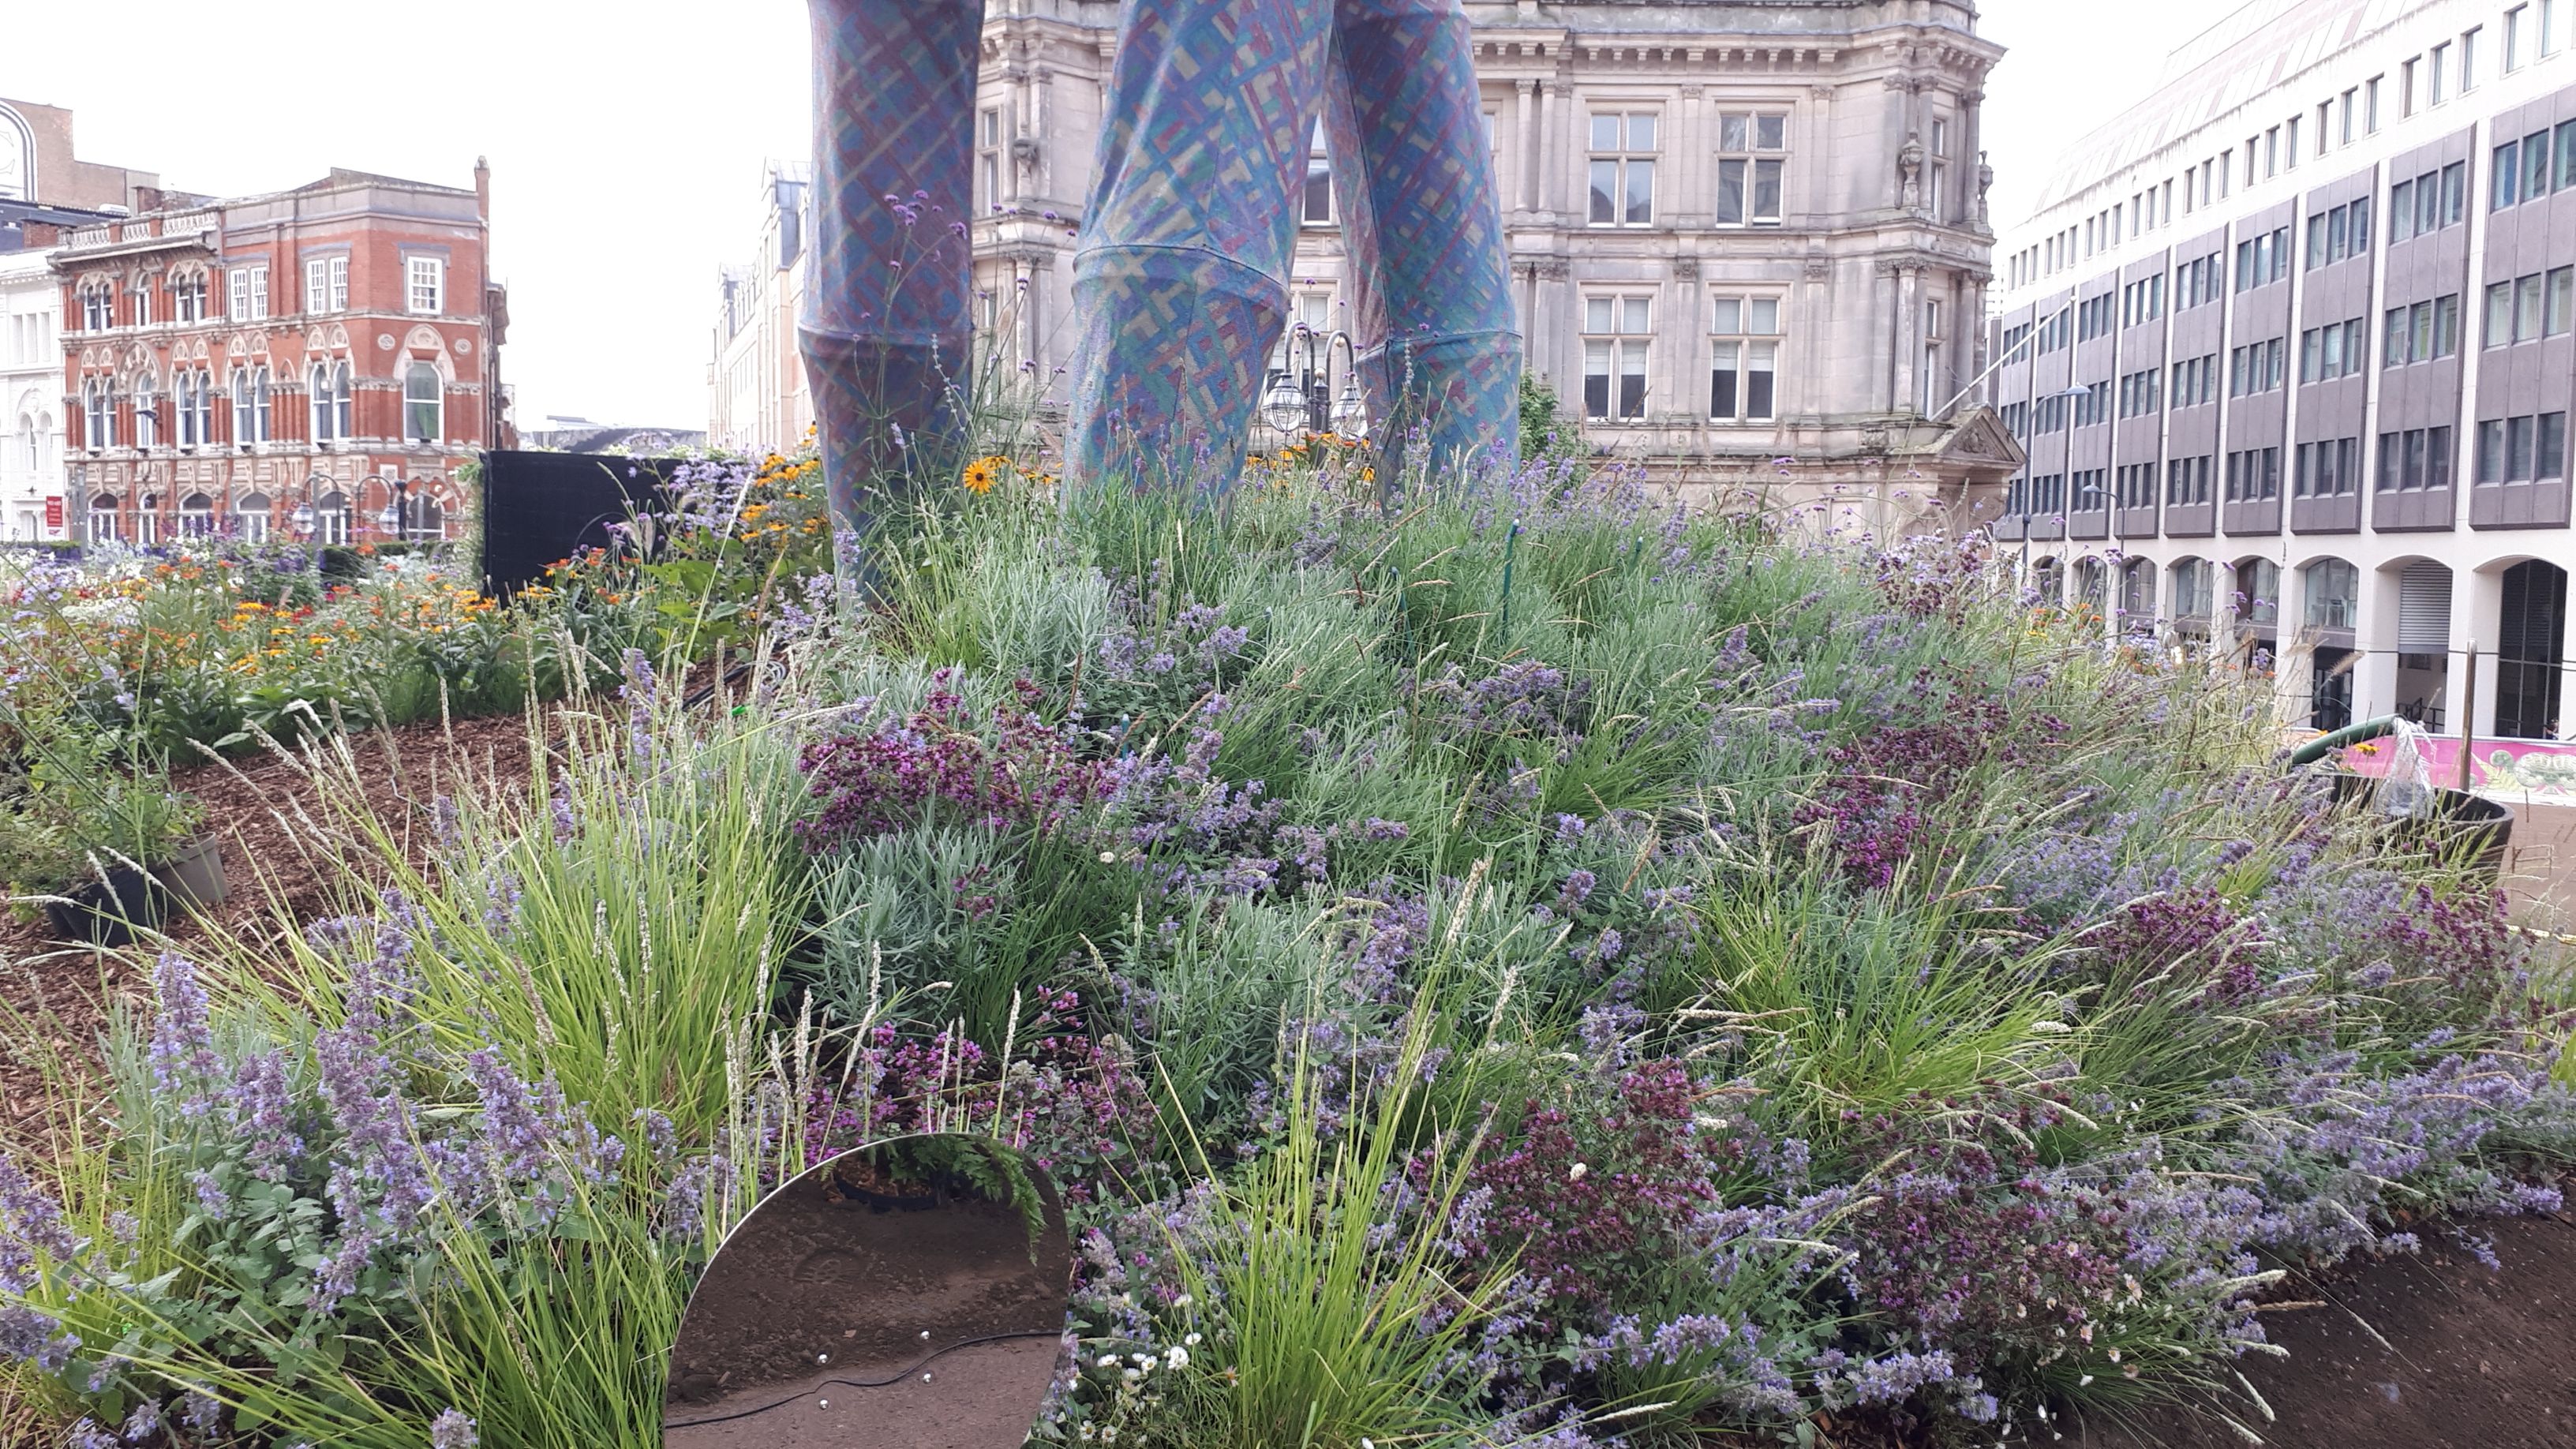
(906, 1295)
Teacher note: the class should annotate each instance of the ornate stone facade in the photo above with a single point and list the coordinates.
(1772, 210)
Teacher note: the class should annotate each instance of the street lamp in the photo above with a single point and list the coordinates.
(1303, 396)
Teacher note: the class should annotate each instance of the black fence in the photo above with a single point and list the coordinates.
(542, 508)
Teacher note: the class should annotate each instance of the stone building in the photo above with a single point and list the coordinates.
(756, 394)
(1748, 237)
(319, 360)
(2292, 349)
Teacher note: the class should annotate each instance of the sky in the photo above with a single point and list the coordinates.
(628, 140)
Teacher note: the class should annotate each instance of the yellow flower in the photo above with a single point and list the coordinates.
(983, 473)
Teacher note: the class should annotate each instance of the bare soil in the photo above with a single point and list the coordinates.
(2436, 1351)
(867, 1315)
(281, 854)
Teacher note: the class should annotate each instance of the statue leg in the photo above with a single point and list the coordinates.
(886, 327)
(1430, 288)
(1180, 280)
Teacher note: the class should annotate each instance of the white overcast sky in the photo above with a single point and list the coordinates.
(627, 140)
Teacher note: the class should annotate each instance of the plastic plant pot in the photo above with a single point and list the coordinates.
(194, 876)
(107, 912)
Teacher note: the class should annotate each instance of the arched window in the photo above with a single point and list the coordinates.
(331, 519)
(147, 520)
(317, 390)
(242, 428)
(2531, 649)
(2191, 590)
(205, 405)
(35, 442)
(147, 411)
(329, 385)
(250, 518)
(2258, 594)
(196, 516)
(424, 404)
(102, 518)
(428, 521)
(2138, 594)
(98, 414)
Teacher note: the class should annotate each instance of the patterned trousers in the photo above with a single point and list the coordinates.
(1181, 274)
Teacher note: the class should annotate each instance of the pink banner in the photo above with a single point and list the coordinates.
(2538, 771)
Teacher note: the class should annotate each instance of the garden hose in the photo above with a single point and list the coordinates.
(2323, 745)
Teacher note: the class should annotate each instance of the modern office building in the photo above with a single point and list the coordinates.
(1748, 240)
(2288, 348)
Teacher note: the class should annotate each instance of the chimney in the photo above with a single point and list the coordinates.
(483, 189)
(41, 234)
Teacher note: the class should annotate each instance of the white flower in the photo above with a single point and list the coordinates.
(1191, 1339)
(1181, 1302)
(1109, 1360)
(1109, 857)
(1577, 1174)
(1176, 1357)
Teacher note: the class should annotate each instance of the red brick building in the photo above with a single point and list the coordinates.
(311, 363)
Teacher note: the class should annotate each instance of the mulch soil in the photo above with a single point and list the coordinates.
(268, 813)
(2435, 1351)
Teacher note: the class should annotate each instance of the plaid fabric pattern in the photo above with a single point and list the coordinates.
(886, 328)
(1431, 306)
(1181, 279)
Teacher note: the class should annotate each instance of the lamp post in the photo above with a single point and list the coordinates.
(1304, 395)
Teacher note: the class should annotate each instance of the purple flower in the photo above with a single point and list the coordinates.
(452, 1430)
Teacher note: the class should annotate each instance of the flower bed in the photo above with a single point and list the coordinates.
(1542, 968)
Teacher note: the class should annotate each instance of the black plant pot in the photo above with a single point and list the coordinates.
(2470, 829)
(107, 912)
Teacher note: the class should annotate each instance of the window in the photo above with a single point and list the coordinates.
(1315, 207)
(2535, 165)
(2428, 202)
(98, 309)
(2514, 20)
(1936, 189)
(190, 396)
(2143, 301)
(424, 404)
(988, 158)
(1623, 168)
(2370, 104)
(147, 521)
(2263, 260)
(2138, 591)
(2196, 282)
(2414, 460)
(2095, 317)
(2339, 233)
(2407, 87)
(328, 386)
(2134, 485)
(1744, 369)
(2421, 332)
(143, 303)
(250, 405)
(2192, 589)
(196, 516)
(98, 414)
(249, 293)
(2566, 154)
(2142, 393)
(2334, 594)
(2327, 469)
(331, 520)
(2549, 13)
(2530, 307)
(2093, 405)
(2256, 367)
(2253, 475)
(2469, 58)
(2088, 484)
(2518, 450)
(147, 413)
(326, 284)
(426, 292)
(2330, 352)
(2438, 76)
(2195, 381)
(250, 518)
(1751, 174)
(188, 298)
(102, 518)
